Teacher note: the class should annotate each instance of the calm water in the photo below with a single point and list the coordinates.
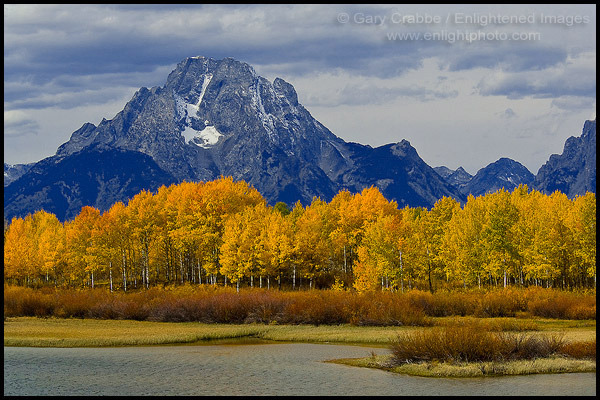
(257, 369)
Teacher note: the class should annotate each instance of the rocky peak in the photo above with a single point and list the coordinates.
(218, 117)
(574, 171)
(458, 178)
(504, 173)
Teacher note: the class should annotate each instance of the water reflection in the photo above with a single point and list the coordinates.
(251, 369)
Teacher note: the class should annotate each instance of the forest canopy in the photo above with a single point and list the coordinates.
(223, 232)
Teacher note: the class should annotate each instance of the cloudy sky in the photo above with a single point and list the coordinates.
(465, 84)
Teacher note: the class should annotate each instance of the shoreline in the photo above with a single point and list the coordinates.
(549, 365)
(70, 333)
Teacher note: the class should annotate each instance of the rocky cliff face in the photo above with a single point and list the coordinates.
(574, 171)
(218, 117)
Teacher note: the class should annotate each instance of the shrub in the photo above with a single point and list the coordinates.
(501, 303)
(74, 304)
(457, 343)
(552, 303)
(470, 343)
(523, 346)
(19, 301)
(579, 349)
(213, 304)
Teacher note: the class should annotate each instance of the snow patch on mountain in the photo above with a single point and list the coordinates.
(207, 79)
(205, 138)
(257, 103)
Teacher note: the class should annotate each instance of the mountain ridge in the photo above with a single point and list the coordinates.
(216, 118)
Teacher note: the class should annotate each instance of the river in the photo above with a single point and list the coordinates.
(248, 369)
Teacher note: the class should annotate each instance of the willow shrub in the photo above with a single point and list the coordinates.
(471, 343)
(213, 304)
(580, 349)
(560, 304)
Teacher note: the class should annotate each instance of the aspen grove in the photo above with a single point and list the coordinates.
(223, 232)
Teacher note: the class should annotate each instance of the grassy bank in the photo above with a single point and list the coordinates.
(549, 365)
(471, 348)
(75, 332)
(56, 332)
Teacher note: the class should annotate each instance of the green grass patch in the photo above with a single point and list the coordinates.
(75, 332)
(55, 332)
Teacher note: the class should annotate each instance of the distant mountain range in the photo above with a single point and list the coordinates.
(218, 117)
(573, 172)
(504, 173)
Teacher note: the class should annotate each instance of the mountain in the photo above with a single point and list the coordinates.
(458, 178)
(399, 173)
(14, 172)
(574, 171)
(212, 118)
(504, 173)
(90, 177)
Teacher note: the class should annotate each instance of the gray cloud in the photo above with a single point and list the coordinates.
(90, 56)
(17, 124)
(507, 56)
(573, 78)
(364, 94)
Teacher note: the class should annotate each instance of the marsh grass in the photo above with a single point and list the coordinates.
(53, 332)
(554, 364)
(470, 349)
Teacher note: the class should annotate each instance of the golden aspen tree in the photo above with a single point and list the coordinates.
(143, 218)
(520, 233)
(345, 236)
(455, 248)
(351, 214)
(78, 234)
(380, 255)
(583, 225)
(413, 245)
(311, 242)
(219, 199)
(241, 250)
(19, 250)
(50, 243)
(501, 216)
(184, 224)
(277, 246)
(561, 251)
(163, 243)
(116, 236)
(434, 225)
